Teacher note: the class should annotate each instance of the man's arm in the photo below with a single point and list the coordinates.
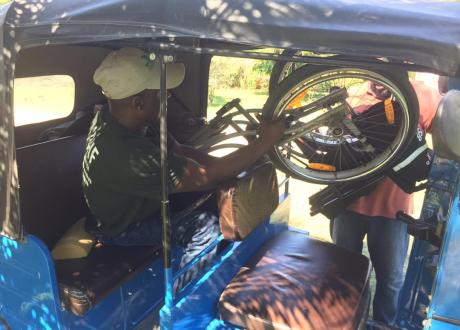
(198, 156)
(197, 176)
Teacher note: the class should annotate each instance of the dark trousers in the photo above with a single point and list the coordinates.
(387, 241)
(189, 236)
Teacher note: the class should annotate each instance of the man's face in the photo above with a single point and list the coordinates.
(151, 105)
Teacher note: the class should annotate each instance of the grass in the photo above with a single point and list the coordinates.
(249, 99)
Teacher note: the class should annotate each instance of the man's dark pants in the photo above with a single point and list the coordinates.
(191, 234)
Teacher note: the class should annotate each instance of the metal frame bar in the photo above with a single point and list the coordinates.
(165, 217)
(438, 302)
(332, 60)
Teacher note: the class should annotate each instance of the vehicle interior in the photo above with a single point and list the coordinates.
(55, 275)
(49, 158)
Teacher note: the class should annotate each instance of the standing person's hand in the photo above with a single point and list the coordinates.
(271, 130)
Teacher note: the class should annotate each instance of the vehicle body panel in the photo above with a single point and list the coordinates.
(423, 261)
(446, 291)
(28, 285)
(426, 35)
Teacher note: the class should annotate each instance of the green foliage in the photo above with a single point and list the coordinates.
(250, 99)
(264, 67)
(239, 73)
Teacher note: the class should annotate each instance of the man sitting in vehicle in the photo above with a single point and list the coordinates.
(121, 167)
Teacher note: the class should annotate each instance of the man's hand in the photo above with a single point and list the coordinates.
(271, 130)
(205, 175)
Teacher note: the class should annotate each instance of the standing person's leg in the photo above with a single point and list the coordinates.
(348, 231)
(387, 240)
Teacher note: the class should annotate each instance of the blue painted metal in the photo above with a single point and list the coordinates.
(445, 301)
(144, 294)
(415, 295)
(166, 321)
(217, 324)
(29, 296)
(28, 290)
(28, 284)
(29, 293)
(187, 313)
(439, 325)
(238, 252)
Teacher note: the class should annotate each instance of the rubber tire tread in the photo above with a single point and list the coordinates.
(278, 69)
(398, 79)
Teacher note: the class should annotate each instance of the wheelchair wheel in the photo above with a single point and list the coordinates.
(345, 123)
(282, 69)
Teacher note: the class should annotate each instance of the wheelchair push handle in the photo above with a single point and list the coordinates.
(227, 107)
(406, 218)
(401, 216)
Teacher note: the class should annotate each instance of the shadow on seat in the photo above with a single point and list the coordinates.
(295, 282)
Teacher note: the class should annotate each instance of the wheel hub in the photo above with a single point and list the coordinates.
(337, 132)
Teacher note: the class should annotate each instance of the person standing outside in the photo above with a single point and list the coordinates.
(374, 215)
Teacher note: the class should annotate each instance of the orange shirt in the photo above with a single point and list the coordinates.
(387, 198)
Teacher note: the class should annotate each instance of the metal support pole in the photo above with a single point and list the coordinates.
(166, 319)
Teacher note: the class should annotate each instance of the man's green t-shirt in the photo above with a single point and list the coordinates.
(121, 174)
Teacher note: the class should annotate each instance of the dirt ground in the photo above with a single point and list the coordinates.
(318, 225)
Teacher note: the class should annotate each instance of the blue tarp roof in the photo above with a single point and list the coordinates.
(424, 32)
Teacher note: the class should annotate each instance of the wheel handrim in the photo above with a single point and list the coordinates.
(374, 165)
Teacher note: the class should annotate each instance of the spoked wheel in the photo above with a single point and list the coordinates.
(345, 123)
(282, 69)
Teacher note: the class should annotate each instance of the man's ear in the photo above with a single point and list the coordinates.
(137, 102)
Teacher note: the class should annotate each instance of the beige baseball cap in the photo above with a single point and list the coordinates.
(129, 71)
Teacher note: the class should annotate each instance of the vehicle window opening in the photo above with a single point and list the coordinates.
(43, 98)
